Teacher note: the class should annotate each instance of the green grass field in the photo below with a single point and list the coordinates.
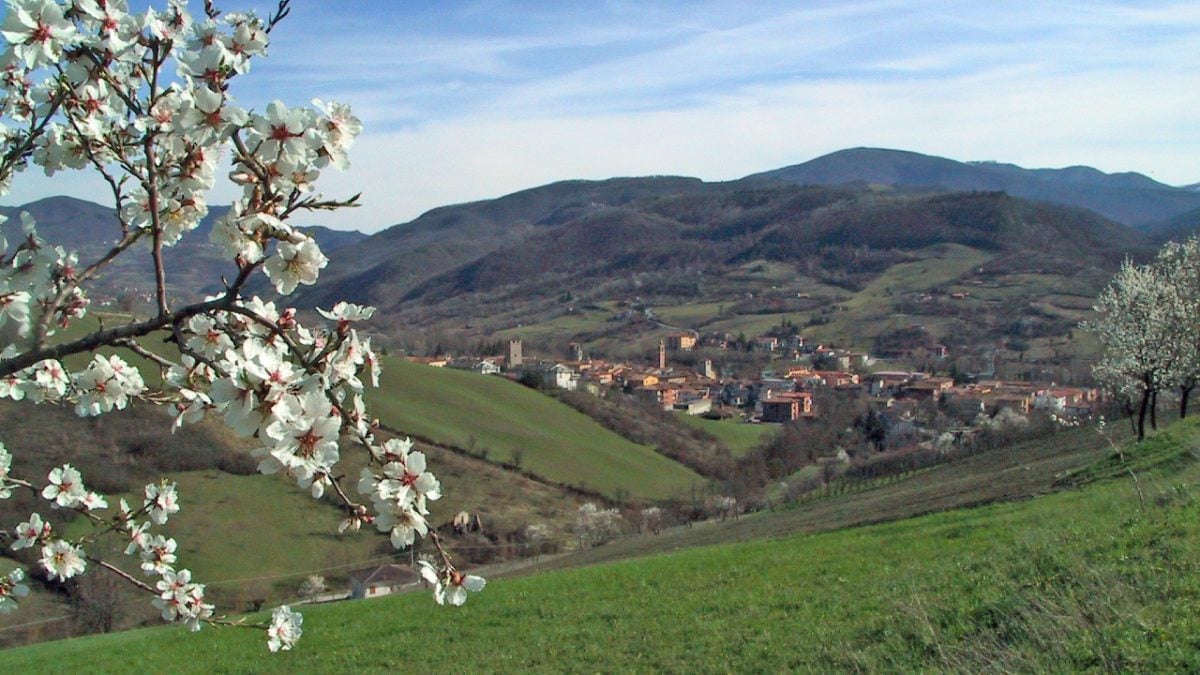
(690, 315)
(869, 311)
(581, 321)
(740, 437)
(753, 325)
(862, 314)
(226, 520)
(479, 413)
(1086, 579)
(941, 264)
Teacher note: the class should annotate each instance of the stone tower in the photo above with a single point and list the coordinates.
(514, 358)
(709, 371)
(662, 355)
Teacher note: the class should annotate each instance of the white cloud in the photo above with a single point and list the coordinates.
(1121, 122)
(719, 90)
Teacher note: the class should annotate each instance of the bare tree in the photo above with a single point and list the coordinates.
(97, 603)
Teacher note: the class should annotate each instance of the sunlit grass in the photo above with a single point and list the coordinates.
(1080, 580)
(506, 420)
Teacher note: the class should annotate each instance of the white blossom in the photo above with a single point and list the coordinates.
(37, 31)
(107, 383)
(162, 500)
(66, 487)
(30, 532)
(181, 600)
(450, 586)
(5, 468)
(87, 84)
(284, 630)
(295, 264)
(158, 554)
(62, 560)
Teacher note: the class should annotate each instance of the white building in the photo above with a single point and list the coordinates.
(560, 376)
(383, 580)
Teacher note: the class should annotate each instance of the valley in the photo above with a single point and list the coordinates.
(599, 337)
(760, 361)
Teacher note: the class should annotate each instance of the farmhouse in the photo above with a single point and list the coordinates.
(684, 342)
(664, 395)
(836, 378)
(375, 582)
(889, 382)
(787, 407)
(638, 380)
(559, 376)
(481, 366)
(695, 406)
(930, 387)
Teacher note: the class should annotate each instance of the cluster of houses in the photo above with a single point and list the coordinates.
(779, 396)
(892, 389)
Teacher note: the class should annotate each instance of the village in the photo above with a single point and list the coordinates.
(788, 392)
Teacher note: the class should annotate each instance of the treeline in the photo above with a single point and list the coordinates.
(848, 442)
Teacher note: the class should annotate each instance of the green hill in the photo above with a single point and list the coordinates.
(250, 537)
(505, 420)
(495, 419)
(1086, 579)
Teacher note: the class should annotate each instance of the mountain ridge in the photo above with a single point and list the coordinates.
(1127, 197)
(492, 265)
(195, 265)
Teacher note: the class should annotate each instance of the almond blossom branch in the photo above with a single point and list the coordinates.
(136, 347)
(130, 330)
(123, 574)
(281, 11)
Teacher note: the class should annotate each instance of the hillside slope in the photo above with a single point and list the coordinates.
(740, 259)
(1177, 228)
(503, 421)
(824, 232)
(194, 265)
(248, 536)
(1086, 579)
(386, 266)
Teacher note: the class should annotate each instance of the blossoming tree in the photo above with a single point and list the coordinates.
(1147, 328)
(144, 101)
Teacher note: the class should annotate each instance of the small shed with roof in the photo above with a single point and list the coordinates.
(374, 582)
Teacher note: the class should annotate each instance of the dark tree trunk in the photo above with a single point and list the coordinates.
(1141, 423)
(1154, 410)
(1184, 393)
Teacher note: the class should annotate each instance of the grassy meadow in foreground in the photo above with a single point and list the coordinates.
(1084, 579)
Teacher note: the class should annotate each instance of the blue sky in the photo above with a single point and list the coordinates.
(471, 100)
